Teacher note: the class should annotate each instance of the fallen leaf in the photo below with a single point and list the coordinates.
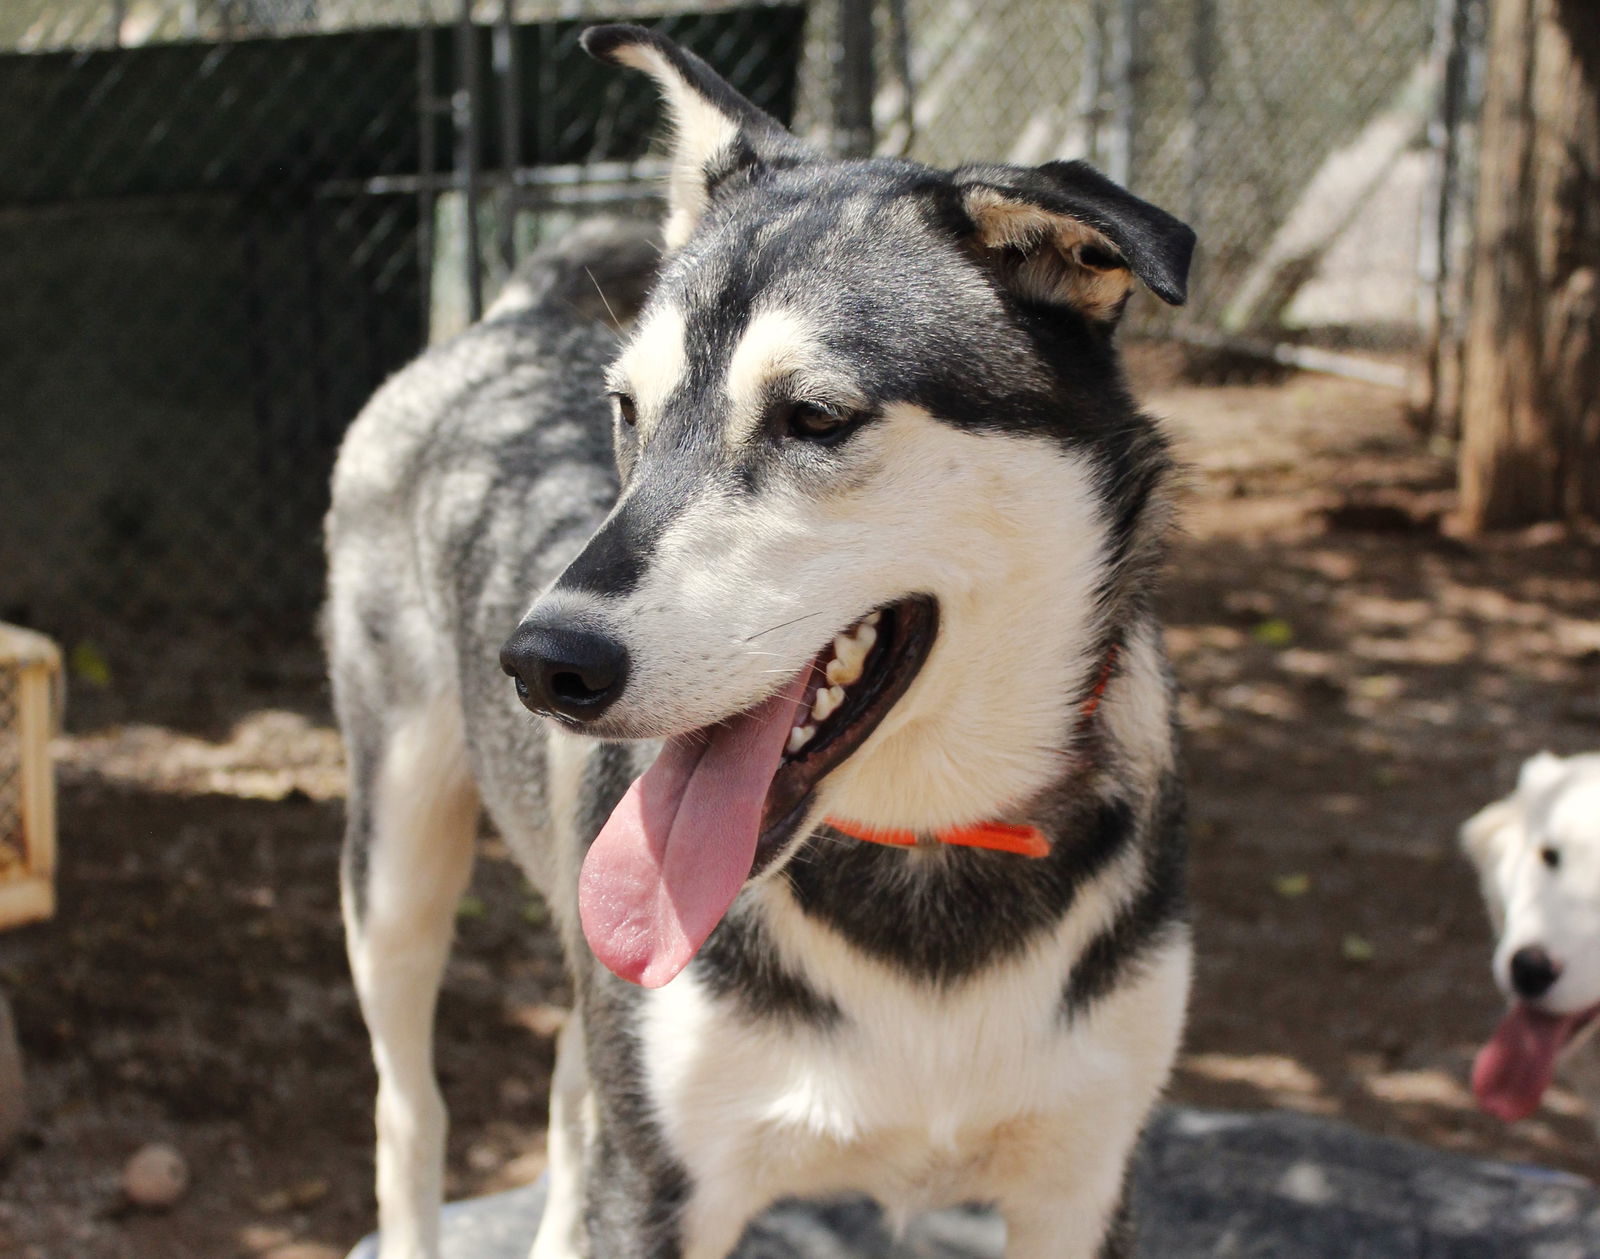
(1357, 949)
(90, 666)
(1273, 632)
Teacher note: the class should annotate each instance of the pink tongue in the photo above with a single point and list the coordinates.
(677, 849)
(1516, 1066)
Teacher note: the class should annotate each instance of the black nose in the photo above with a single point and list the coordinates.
(575, 673)
(1532, 972)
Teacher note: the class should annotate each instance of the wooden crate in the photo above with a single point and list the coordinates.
(30, 673)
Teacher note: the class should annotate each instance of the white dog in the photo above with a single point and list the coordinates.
(1538, 858)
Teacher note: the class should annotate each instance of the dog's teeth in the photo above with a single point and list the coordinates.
(850, 653)
(799, 737)
(827, 702)
(872, 618)
(841, 673)
(866, 636)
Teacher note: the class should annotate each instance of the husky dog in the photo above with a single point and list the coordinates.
(853, 787)
(1538, 857)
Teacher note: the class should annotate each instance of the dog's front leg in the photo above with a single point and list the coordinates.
(412, 816)
(561, 1228)
(1092, 1223)
(641, 1204)
(712, 1230)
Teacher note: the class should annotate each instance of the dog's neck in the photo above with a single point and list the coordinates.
(929, 911)
(1022, 839)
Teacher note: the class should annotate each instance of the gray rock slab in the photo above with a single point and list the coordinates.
(1209, 1185)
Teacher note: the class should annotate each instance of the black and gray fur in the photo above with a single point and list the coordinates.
(981, 303)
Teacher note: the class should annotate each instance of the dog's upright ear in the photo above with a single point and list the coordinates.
(1063, 234)
(1539, 773)
(718, 135)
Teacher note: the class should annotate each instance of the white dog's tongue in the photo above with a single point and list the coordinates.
(676, 851)
(1513, 1070)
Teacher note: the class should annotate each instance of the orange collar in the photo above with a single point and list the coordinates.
(1026, 841)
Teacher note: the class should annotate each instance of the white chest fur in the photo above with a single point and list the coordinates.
(917, 1096)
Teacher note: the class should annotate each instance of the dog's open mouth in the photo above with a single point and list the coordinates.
(1513, 1070)
(855, 680)
(719, 802)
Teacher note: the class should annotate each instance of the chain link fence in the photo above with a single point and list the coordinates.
(222, 225)
(1291, 136)
(224, 222)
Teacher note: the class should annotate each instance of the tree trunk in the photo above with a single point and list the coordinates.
(1530, 422)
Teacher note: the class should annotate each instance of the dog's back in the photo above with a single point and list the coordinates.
(502, 428)
(504, 423)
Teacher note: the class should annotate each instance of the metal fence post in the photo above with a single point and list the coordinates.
(427, 164)
(900, 67)
(1124, 87)
(854, 87)
(1091, 87)
(508, 83)
(1459, 36)
(465, 102)
(1202, 63)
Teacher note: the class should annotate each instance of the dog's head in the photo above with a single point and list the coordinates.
(882, 491)
(1538, 858)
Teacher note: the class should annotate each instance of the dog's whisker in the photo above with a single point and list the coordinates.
(615, 322)
(784, 625)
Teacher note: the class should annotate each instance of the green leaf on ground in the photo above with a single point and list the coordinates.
(90, 666)
(1357, 949)
(1292, 885)
(1273, 632)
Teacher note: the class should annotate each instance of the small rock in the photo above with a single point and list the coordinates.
(307, 1193)
(274, 1202)
(155, 1177)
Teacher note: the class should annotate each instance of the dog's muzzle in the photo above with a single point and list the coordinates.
(563, 671)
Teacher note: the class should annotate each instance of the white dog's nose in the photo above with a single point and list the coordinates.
(1533, 973)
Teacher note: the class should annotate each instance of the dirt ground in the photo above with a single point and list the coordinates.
(1356, 681)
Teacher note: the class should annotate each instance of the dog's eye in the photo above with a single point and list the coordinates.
(627, 411)
(1551, 857)
(812, 422)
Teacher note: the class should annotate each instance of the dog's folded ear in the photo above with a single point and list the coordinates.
(1063, 234)
(1485, 836)
(1487, 831)
(718, 134)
